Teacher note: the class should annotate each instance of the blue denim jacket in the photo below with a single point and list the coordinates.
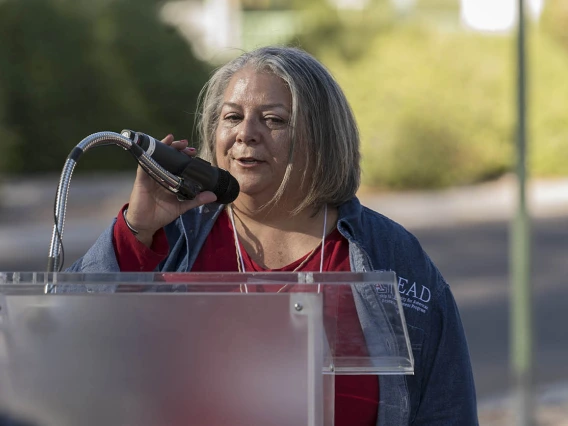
(442, 391)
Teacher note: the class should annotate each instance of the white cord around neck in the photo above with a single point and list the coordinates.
(236, 236)
(241, 261)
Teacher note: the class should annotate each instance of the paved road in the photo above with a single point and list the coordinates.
(464, 232)
(473, 259)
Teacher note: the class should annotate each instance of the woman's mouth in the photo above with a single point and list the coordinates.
(248, 161)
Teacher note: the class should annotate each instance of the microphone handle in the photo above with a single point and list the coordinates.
(197, 174)
(169, 158)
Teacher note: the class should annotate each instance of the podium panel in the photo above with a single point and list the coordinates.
(162, 359)
(192, 348)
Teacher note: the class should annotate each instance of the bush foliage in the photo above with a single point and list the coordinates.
(70, 68)
(429, 115)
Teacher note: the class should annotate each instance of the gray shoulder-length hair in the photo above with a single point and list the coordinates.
(322, 125)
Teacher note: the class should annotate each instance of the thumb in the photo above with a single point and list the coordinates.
(201, 198)
(206, 197)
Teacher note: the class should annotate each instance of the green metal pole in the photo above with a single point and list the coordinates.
(522, 316)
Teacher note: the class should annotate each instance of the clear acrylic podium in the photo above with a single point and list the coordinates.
(192, 348)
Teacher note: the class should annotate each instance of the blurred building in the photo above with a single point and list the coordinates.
(495, 16)
(220, 29)
(210, 26)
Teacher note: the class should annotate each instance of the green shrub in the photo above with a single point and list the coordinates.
(434, 109)
(71, 68)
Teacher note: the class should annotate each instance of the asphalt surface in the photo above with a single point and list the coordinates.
(473, 259)
(464, 230)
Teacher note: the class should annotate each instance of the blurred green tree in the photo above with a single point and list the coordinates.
(72, 68)
(426, 119)
(344, 31)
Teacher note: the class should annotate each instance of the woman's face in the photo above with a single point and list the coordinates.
(253, 134)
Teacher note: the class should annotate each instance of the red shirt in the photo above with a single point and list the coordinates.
(357, 396)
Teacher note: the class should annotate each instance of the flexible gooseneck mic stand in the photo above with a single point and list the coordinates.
(167, 179)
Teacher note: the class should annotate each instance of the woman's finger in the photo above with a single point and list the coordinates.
(168, 139)
(192, 152)
(180, 145)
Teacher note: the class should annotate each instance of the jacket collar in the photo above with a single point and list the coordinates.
(349, 219)
(348, 223)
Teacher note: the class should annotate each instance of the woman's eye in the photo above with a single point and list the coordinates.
(232, 117)
(274, 120)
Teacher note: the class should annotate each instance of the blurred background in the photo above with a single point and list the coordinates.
(432, 84)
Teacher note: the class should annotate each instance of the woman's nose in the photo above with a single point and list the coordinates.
(248, 131)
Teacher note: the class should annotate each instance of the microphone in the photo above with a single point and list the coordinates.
(197, 174)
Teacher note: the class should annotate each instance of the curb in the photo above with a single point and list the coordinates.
(488, 202)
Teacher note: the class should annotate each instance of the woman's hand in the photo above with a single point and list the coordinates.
(151, 206)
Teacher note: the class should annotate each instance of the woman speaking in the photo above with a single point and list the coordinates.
(279, 123)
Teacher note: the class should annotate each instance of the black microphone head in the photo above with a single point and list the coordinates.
(227, 188)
